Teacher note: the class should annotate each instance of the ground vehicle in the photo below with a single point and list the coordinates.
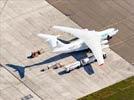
(80, 63)
(72, 66)
(87, 60)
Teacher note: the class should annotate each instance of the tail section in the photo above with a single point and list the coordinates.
(19, 69)
(52, 40)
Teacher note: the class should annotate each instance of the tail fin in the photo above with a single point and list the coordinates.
(20, 69)
(52, 40)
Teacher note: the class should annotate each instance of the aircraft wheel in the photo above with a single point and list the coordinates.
(104, 56)
(68, 71)
(78, 67)
(95, 60)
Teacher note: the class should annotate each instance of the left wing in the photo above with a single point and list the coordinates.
(91, 38)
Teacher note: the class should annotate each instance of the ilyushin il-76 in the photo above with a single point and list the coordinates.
(96, 41)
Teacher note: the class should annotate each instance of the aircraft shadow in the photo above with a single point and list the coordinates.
(88, 69)
(77, 55)
(20, 69)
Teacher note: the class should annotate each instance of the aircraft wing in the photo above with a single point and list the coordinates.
(91, 38)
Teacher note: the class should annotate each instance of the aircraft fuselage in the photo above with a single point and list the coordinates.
(79, 45)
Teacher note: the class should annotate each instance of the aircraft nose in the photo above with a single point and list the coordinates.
(115, 31)
(111, 29)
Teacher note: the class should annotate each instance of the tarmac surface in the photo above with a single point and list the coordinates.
(102, 14)
(20, 21)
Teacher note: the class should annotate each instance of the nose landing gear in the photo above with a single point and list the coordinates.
(104, 56)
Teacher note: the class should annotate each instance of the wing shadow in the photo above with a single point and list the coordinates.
(77, 55)
(89, 69)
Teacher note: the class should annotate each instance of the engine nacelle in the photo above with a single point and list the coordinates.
(105, 46)
(104, 42)
(109, 37)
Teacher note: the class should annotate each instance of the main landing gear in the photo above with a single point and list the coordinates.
(104, 56)
(109, 37)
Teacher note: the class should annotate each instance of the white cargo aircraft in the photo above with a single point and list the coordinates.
(93, 40)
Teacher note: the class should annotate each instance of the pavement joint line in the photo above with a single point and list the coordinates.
(122, 41)
(122, 6)
(21, 82)
(22, 14)
(3, 7)
(127, 72)
(122, 20)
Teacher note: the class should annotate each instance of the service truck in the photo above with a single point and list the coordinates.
(80, 63)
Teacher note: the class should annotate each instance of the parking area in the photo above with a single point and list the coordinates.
(21, 21)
